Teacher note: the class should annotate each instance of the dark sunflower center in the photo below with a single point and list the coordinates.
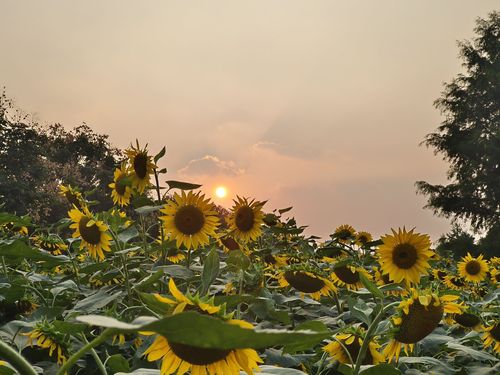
(386, 278)
(245, 218)
(467, 320)
(141, 165)
(344, 234)
(495, 332)
(72, 199)
(441, 274)
(497, 277)
(230, 243)
(353, 350)
(404, 255)
(92, 234)
(347, 275)
(269, 259)
(457, 281)
(303, 282)
(189, 219)
(420, 322)
(473, 267)
(120, 186)
(198, 356)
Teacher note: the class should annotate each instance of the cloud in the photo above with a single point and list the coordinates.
(211, 165)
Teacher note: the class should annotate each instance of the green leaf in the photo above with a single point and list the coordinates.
(210, 271)
(428, 361)
(147, 209)
(237, 260)
(159, 155)
(283, 210)
(185, 328)
(273, 370)
(16, 250)
(9, 218)
(129, 233)
(372, 288)
(148, 281)
(382, 369)
(140, 371)
(151, 302)
(95, 301)
(176, 270)
(117, 363)
(312, 325)
(469, 352)
(69, 327)
(182, 185)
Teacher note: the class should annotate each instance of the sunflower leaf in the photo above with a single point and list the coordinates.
(182, 185)
(160, 154)
(382, 369)
(372, 288)
(210, 272)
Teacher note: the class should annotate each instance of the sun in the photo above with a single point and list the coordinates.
(220, 191)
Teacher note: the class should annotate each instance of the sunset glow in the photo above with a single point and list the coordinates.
(220, 191)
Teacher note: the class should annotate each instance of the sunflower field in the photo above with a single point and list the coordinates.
(166, 282)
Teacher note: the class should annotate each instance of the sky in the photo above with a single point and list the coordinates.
(319, 105)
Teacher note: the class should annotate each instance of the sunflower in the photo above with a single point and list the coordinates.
(190, 219)
(439, 274)
(274, 261)
(473, 269)
(180, 358)
(454, 282)
(465, 320)
(246, 219)
(46, 338)
(50, 243)
(141, 166)
(73, 196)
(491, 336)
(120, 192)
(344, 233)
(348, 276)
(362, 238)
(495, 276)
(16, 229)
(307, 283)
(186, 302)
(346, 346)
(419, 316)
(94, 233)
(404, 255)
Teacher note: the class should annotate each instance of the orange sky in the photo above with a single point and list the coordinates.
(316, 104)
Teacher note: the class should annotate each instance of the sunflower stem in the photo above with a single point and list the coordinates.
(4, 267)
(368, 336)
(127, 279)
(337, 303)
(16, 360)
(321, 363)
(98, 361)
(75, 269)
(90, 345)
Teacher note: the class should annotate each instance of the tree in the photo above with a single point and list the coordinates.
(469, 136)
(35, 160)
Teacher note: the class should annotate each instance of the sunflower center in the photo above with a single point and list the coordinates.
(404, 255)
(245, 218)
(189, 220)
(344, 234)
(120, 187)
(420, 321)
(230, 243)
(473, 267)
(303, 282)
(141, 165)
(270, 259)
(385, 277)
(456, 281)
(354, 349)
(198, 356)
(346, 275)
(91, 234)
(441, 274)
(495, 332)
(467, 320)
(72, 199)
(497, 277)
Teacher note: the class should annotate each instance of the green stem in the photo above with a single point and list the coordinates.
(337, 303)
(98, 361)
(75, 357)
(75, 269)
(16, 360)
(127, 278)
(321, 363)
(4, 266)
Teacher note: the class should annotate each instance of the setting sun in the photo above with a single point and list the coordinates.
(220, 191)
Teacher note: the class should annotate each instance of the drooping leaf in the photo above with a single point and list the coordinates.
(210, 272)
(182, 185)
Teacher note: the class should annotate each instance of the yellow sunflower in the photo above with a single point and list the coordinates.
(419, 316)
(73, 196)
(50, 243)
(16, 229)
(274, 261)
(180, 358)
(404, 255)
(246, 219)
(344, 233)
(362, 238)
(439, 274)
(307, 283)
(120, 192)
(190, 219)
(465, 320)
(491, 337)
(473, 269)
(454, 282)
(46, 339)
(353, 342)
(349, 276)
(94, 233)
(384, 279)
(495, 276)
(141, 165)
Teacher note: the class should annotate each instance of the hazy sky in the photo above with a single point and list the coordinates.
(316, 104)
